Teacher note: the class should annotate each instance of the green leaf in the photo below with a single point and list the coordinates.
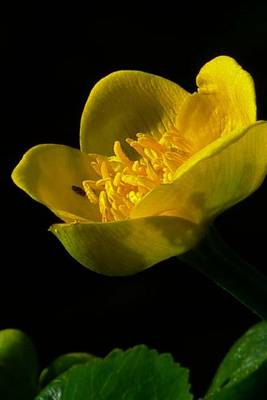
(242, 374)
(62, 364)
(135, 374)
(18, 366)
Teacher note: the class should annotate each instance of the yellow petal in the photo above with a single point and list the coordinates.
(222, 174)
(127, 247)
(125, 103)
(225, 101)
(48, 172)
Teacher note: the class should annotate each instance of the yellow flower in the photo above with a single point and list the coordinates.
(157, 165)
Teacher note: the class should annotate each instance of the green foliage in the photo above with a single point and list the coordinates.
(242, 374)
(62, 364)
(138, 373)
(18, 366)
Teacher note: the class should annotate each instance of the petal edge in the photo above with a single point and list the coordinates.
(125, 103)
(127, 247)
(47, 173)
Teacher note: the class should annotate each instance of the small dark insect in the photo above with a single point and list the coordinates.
(78, 190)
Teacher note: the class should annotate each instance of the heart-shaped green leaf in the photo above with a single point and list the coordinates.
(242, 374)
(18, 366)
(135, 374)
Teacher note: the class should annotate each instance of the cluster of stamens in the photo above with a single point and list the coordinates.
(123, 182)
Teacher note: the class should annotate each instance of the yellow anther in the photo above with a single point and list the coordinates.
(171, 155)
(130, 179)
(151, 173)
(150, 143)
(96, 167)
(167, 177)
(104, 205)
(92, 197)
(122, 182)
(127, 202)
(150, 154)
(146, 182)
(120, 154)
(124, 210)
(101, 183)
(117, 179)
(91, 183)
(104, 169)
(111, 193)
(117, 215)
(136, 146)
(134, 197)
(170, 164)
(136, 166)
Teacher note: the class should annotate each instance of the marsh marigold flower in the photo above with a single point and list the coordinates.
(157, 164)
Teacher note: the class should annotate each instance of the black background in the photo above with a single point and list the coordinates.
(49, 65)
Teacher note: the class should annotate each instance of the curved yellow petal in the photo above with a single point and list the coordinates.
(222, 174)
(127, 247)
(125, 103)
(225, 101)
(48, 172)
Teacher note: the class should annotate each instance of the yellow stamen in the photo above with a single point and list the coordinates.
(101, 183)
(92, 197)
(123, 182)
(104, 206)
(117, 179)
(104, 169)
(150, 143)
(124, 210)
(120, 154)
(136, 146)
(117, 215)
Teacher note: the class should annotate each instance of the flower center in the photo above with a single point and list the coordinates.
(123, 182)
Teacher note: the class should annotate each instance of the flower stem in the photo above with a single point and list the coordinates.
(215, 259)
